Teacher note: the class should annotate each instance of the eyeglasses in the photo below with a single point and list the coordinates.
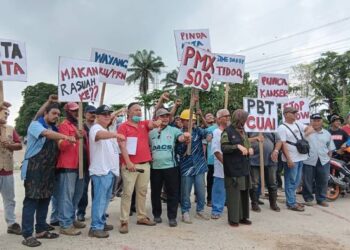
(226, 116)
(7, 113)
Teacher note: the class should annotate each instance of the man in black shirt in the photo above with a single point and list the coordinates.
(339, 136)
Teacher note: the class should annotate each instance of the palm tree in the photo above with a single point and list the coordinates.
(170, 80)
(143, 66)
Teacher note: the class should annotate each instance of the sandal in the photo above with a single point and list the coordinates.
(31, 242)
(48, 235)
(215, 216)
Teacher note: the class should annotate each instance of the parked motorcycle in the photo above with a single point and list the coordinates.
(339, 179)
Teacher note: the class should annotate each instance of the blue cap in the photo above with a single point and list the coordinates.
(90, 109)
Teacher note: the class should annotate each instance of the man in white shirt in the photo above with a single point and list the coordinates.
(218, 195)
(104, 167)
(289, 132)
(317, 167)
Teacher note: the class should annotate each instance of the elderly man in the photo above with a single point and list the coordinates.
(9, 142)
(316, 167)
(164, 169)
(104, 168)
(290, 132)
(38, 172)
(135, 162)
(218, 195)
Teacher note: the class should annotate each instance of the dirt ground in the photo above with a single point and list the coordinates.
(316, 228)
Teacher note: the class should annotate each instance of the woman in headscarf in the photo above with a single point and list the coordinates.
(236, 151)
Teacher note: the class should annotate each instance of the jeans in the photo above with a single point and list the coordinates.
(170, 178)
(270, 177)
(103, 186)
(84, 201)
(39, 207)
(70, 191)
(7, 190)
(292, 178)
(199, 188)
(319, 176)
(218, 197)
(210, 179)
(54, 204)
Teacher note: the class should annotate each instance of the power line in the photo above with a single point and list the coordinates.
(299, 50)
(279, 62)
(296, 34)
(271, 67)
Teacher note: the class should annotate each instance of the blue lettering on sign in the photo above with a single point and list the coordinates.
(229, 59)
(193, 43)
(111, 60)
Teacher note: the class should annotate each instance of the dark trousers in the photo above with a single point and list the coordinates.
(315, 178)
(279, 171)
(170, 178)
(84, 201)
(237, 201)
(270, 177)
(210, 179)
(39, 207)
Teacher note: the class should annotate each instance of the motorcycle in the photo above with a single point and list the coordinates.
(339, 179)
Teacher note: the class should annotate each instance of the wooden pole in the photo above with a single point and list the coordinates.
(81, 141)
(262, 165)
(227, 88)
(197, 105)
(103, 93)
(190, 123)
(2, 128)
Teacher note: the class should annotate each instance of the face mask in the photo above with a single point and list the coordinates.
(136, 118)
(120, 119)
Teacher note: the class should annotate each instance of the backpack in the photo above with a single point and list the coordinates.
(302, 145)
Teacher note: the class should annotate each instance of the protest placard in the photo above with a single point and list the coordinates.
(112, 66)
(13, 61)
(303, 107)
(197, 38)
(197, 68)
(273, 87)
(229, 68)
(262, 115)
(78, 81)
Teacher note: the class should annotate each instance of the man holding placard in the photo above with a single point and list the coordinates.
(70, 187)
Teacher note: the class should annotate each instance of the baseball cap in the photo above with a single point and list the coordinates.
(103, 109)
(316, 116)
(71, 106)
(90, 109)
(162, 111)
(289, 110)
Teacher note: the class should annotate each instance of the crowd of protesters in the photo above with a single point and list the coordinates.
(123, 154)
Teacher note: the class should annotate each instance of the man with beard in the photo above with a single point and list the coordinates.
(38, 173)
(70, 187)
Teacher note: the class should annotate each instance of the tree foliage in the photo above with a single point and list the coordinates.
(144, 65)
(33, 97)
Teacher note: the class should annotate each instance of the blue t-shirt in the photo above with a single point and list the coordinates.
(35, 143)
(194, 164)
(163, 147)
(210, 155)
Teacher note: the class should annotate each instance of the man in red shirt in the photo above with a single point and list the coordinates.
(135, 167)
(9, 142)
(70, 187)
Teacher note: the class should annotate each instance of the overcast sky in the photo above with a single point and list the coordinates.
(72, 27)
